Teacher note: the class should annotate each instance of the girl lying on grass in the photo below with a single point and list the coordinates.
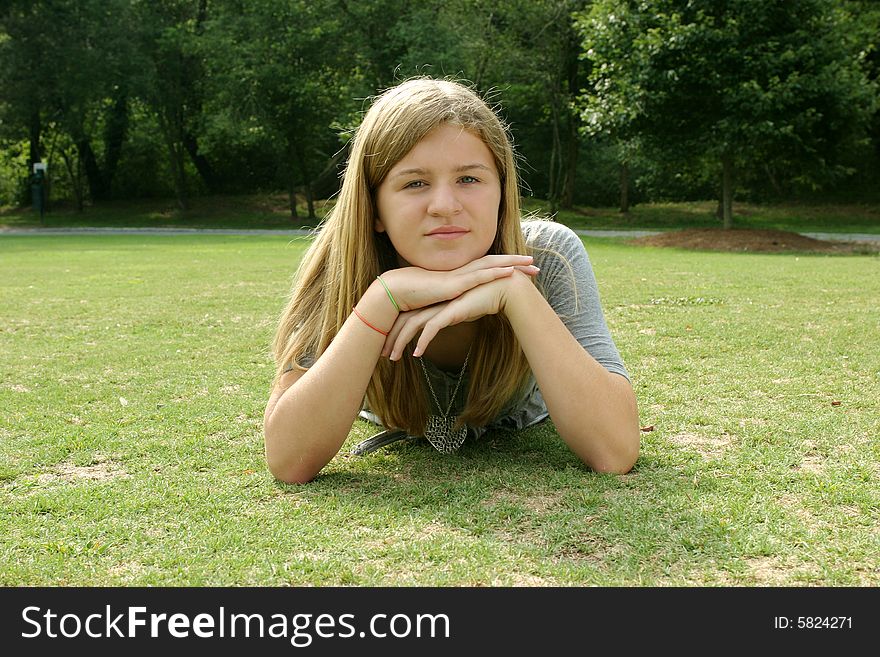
(426, 305)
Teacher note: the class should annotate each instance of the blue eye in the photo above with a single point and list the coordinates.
(468, 179)
(415, 184)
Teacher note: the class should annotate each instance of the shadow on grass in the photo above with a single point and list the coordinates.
(527, 492)
(677, 518)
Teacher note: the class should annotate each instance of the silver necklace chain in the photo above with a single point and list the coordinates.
(440, 429)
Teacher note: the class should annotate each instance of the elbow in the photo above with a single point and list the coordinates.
(616, 464)
(624, 458)
(288, 473)
(291, 477)
(285, 467)
(617, 457)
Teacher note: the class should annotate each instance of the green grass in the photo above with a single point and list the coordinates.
(134, 371)
(271, 211)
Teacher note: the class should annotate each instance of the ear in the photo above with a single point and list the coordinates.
(378, 226)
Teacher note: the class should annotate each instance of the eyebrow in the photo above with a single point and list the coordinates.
(459, 169)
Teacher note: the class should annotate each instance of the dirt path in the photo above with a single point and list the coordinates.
(761, 241)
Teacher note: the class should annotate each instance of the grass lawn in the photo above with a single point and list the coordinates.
(134, 371)
(271, 211)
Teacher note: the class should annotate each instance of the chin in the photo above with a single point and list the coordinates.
(448, 263)
(442, 260)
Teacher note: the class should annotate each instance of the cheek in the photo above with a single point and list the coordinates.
(383, 210)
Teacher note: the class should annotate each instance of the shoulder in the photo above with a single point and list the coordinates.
(563, 260)
(546, 234)
(555, 246)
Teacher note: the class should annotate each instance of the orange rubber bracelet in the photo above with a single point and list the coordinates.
(363, 319)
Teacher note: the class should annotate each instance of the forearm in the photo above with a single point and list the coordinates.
(594, 410)
(306, 424)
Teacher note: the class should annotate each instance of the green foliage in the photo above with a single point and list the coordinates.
(775, 86)
(125, 98)
(275, 71)
(13, 173)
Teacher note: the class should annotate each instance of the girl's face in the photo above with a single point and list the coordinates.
(440, 203)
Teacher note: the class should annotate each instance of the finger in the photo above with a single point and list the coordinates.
(409, 328)
(455, 312)
(482, 276)
(428, 333)
(446, 317)
(406, 335)
(531, 270)
(500, 260)
(391, 338)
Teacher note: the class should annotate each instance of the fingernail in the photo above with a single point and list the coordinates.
(417, 352)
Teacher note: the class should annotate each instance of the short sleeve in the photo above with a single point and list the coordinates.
(570, 287)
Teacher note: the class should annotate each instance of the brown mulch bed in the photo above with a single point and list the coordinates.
(751, 240)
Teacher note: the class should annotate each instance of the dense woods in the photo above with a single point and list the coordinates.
(610, 102)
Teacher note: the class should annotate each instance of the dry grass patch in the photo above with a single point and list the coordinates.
(792, 504)
(812, 464)
(709, 447)
(767, 571)
(523, 580)
(536, 503)
(102, 470)
(590, 552)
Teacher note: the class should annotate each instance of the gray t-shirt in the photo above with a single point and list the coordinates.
(567, 281)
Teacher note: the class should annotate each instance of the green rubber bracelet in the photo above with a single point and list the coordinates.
(379, 278)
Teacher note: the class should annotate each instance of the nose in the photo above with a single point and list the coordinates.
(443, 202)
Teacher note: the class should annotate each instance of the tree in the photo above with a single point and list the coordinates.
(276, 68)
(728, 85)
(173, 83)
(524, 53)
(70, 64)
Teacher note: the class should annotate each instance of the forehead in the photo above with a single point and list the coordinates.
(447, 145)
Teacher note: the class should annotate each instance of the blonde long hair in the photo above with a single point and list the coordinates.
(348, 254)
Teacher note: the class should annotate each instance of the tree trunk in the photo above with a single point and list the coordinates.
(201, 163)
(35, 149)
(291, 196)
(310, 200)
(75, 179)
(114, 137)
(555, 164)
(180, 177)
(775, 183)
(190, 141)
(170, 131)
(571, 59)
(727, 190)
(296, 149)
(624, 187)
(571, 158)
(94, 177)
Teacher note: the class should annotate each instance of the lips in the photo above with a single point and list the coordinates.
(448, 232)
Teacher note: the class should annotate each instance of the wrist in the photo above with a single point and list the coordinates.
(518, 287)
(388, 292)
(377, 308)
